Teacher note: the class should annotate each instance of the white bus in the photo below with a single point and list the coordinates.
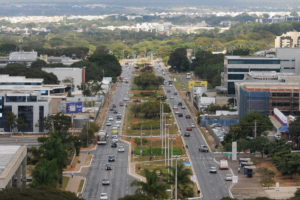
(101, 137)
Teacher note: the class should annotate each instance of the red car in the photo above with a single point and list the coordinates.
(188, 116)
(189, 128)
(136, 101)
(121, 104)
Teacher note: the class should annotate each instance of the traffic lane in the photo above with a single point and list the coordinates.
(28, 141)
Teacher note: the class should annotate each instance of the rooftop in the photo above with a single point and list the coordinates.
(252, 57)
(23, 56)
(5, 78)
(6, 155)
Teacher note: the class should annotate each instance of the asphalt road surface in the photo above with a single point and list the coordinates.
(212, 186)
(28, 141)
(119, 179)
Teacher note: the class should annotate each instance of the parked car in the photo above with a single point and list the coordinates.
(203, 148)
(188, 116)
(213, 170)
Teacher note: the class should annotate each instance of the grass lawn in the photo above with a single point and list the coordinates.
(80, 185)
(65, 182)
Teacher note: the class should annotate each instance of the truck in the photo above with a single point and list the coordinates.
(101, 137)
(224, 164)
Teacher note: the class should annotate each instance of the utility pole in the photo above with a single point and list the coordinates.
(165, 139)
(151, 143)
(168, 149)
(176, 180)
(255, 128)
(87, 133)
(141, 148)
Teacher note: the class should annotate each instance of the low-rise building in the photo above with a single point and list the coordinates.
(288, 40)
(23, 57)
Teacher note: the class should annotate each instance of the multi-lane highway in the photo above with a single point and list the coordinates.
(119, 179)
(212, 186)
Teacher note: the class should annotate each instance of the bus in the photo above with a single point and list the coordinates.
(101, 137)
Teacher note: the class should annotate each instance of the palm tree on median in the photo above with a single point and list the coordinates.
(184, 182)
(153, 187)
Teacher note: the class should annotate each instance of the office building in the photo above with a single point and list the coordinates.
(286, 60)
(13, 161)
(288, 40)
(264, 96)
(30, 100)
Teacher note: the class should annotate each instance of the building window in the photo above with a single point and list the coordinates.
(15, 99)
(237, 70)
(231, 89)
(253, 61)
(281, 94)
(3, 124)
(235, 76)
(26, 113)
(44, 92)
(41, 119)
(265, 69)
(281, 104)
(296, 94)
(31, 99)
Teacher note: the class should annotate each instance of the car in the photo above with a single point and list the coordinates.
(115, 138)
(121, 149)
(118, 122)
(203, 148)
(105, 181)
(115, 112)
(228, 177)
(110, 118)
(179, 103)
(119, 116)
(136, 101)
(171, 97)
(193, 125)
(113, 145)
(183, 107)
(213, 170)
(115, 131)
(121, 104)
(126, 99)
(180, 115)
(187, 134)
(111, 109)
(114, 106)
(108, 166)
(168, 91)
(108, 123)
(175, 93)
(188, 116)
(103, 196)
(189, 128)
(111, 158)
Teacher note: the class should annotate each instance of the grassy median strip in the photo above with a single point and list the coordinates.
(80, 185)
(65, 182)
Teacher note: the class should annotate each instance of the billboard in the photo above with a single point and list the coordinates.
(197, 83)
(73, 107)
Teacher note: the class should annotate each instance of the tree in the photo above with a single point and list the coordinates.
(294, 131)
(54, 149)
(87, 133)
(38, 64)
(10, 120)
(152, 188)
(148, 81)
(58, 122)
(36, 193)
(135, 197)
(179, 61)
(21, 124)
(184, 183)
(45, 173)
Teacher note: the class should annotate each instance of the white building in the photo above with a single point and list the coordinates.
(73, 76)
(288, 40)
(23, 57)
(30, 100)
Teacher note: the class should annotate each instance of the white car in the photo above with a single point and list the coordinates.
(213, 170)
(118, 122)
(108, 124)
(193, 125)
(110, 119)
(103, 196)
(228, 177)
(121, 149)
(114, 138)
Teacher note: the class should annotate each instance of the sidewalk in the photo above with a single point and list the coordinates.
(74, 183)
